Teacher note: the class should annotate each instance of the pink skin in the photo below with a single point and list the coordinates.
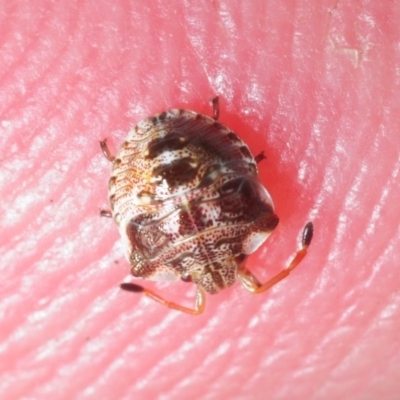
(316, 87)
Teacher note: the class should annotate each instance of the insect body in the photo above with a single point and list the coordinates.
(185, 194)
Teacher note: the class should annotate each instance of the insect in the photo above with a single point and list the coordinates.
(186, 196)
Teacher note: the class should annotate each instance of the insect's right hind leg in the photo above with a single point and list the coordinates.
(252, 284)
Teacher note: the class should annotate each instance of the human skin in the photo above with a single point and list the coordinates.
(315, 85)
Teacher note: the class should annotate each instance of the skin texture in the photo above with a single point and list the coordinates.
(315, 85)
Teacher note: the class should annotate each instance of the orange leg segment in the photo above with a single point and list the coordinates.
(199, 304)
(252, 284)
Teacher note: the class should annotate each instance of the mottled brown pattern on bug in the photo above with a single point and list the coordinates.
(177, 172)
(171, 141)
(186, 196)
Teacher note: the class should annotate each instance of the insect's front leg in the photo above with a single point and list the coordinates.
(198, 307)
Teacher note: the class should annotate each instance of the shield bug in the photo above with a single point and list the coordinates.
(187, 199)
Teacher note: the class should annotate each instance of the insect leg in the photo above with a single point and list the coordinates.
(105, 213)
(199, 304)
(106, 150)
(251, 283)
(107, 154)
(215, 105)
(260, 157)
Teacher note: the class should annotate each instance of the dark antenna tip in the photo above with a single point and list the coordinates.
(308, 233)
(131, 287)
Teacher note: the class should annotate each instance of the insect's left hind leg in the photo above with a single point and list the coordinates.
(106, 151)
(110, 157)
(252, 284)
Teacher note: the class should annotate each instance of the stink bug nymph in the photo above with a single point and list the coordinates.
(186, 197)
